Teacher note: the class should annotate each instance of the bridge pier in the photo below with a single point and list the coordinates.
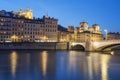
(89, 46)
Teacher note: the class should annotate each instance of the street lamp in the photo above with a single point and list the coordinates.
(106, 31)
(14, 38)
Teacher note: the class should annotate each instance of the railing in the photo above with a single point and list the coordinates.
(108, 41)
(118, 40)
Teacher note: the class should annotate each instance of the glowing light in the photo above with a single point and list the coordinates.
(112, 53)
(14, 38)
(4, 32)
(27, 14)
(73, 44)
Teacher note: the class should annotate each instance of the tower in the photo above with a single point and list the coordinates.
(27, 14)
(27, 9)
(83, 26)
(46, 15)
(31, 14)
(20, 12)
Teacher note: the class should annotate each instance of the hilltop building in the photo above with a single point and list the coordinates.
(27, 14)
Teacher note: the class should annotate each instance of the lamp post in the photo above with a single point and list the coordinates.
(106, 31)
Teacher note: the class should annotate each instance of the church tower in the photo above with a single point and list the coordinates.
(20, 12)
(27, 14)
(31, 14)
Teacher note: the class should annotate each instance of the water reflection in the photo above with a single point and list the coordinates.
(104, 66)
(13, 62)
(44, 62)
(90, 72)
(72, 61)
(58, 65)
(28, 58)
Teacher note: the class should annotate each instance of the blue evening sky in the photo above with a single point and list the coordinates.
(106, 13)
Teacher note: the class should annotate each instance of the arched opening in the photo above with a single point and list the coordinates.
(109, 47)
(78, 47)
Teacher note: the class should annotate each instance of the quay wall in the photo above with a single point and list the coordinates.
(35, 45)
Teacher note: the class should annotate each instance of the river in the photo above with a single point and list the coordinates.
(59, 65)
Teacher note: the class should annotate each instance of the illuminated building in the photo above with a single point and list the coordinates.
(50, 29)
(71, 28)
(62, 34)
(22, 27)
(82, 33)
(85, 33)
(27, 14)
(113, 36)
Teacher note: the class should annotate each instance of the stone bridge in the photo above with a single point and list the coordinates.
(105, 45)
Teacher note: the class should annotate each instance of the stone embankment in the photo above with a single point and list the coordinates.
(35, 45)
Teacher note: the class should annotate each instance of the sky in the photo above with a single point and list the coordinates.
(106, 13)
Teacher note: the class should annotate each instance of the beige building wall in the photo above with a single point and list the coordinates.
(85, 33)
(5, 30)
(50, 29)
(15, 29)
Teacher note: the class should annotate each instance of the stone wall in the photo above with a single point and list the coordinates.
(62, 46)
(40, 45)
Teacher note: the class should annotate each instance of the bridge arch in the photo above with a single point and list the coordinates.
(78, 46)
(108, 47)
(105, 45)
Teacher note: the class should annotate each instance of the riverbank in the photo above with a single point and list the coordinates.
(35, 45)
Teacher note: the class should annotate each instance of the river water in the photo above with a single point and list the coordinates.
(59, 65)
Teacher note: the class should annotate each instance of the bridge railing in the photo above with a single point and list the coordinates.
(118, 40)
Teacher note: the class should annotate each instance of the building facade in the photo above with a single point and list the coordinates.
(63, 34)
(22, 27)
(27, 13)
(82, 33)
(113, 36)
(85, 33)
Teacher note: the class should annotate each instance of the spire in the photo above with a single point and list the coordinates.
(20, 9)
(46, 15)
(31, 10)
(27, 9)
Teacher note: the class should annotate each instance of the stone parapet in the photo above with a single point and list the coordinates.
(34, 45)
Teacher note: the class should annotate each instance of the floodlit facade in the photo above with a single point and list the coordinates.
(27, 14)
(63, 34)
(82, 33)
(85, 33)
(22, 27)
